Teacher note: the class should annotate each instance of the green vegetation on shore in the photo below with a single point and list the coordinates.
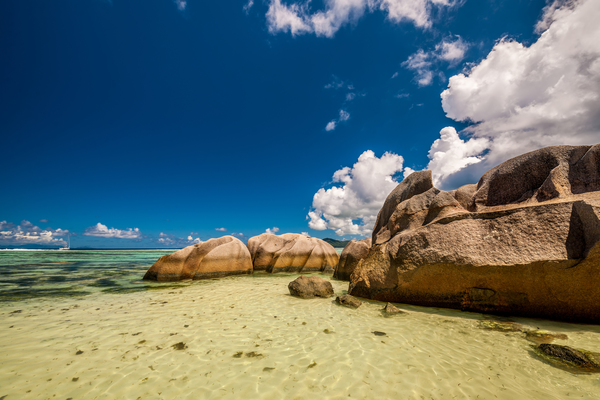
(337, 243)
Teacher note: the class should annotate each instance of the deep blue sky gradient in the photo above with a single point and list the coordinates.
(134, 114)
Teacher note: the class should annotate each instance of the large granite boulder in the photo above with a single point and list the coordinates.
(214, 258)
(524, 243)
(351, 255)
(291, 252)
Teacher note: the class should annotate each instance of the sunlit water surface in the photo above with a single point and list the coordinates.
(82, 325)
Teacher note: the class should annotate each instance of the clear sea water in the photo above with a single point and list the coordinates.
(83, 325)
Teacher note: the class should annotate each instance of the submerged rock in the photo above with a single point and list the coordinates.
(348, 301)
(524, 241)
(501, 326)
(291, 252)
(540, 336)
(569, 356)
(310, 286)
(390, 310)
(351, 256)
(214, 258)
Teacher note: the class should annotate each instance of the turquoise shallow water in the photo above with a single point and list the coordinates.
(40, 274)
(83, 325)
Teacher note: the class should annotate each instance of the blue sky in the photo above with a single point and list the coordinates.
(154, 123)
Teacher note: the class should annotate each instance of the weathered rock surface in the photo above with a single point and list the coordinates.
(291, 252)
(348, 301)
(310, 286)
(570, 356)
(390, 310)
(525, 243)
(540, 336)
(351, 255)
(214, 258)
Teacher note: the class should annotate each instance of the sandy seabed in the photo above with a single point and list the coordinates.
(246, 337)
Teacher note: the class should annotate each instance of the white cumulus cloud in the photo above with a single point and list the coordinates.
(298, 18)
(221, 229)
(352, 207)
(100, 230)
(524, 98)
(273, 230)
(27, 233)
(426, 64)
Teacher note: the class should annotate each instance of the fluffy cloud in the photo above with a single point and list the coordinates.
(221, 229)
(297, 17)
(450, 154)
(426, 64)
(344, 116)
(524, 98)
(273, 230)
(43, 221)
(27, 233)
(351, 209)
(100, 230)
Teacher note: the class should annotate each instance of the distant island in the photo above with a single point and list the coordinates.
(337, 243)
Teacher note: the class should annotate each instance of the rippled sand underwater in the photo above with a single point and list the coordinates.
(246, 337)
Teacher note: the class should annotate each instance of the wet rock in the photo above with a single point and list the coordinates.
(268, 369)
(540, 336)
(312, 365)
(313, 286)
(348, 301)
(254, 354)
(291, 252)
(327, 331)
(179, 346)
(79, 352)
(390, 310)
(377, 333)
(239, 354)
(569, 356)
(500, 326)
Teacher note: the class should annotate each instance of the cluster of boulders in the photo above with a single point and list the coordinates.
(228, 255)
(523, 241)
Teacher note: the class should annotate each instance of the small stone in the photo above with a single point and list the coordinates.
(268, 369)
(377, 333)
(75, 379)
(570, 356)
(179, 346)
(238, 354)
(314, 364)
(79, 352)
(390, 309)
(348, 301)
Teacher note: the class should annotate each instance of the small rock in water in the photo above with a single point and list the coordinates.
(377, 333)
(567, 355)
(238, 354)
(268, 369)
(307, 287)
(390, 309)
(327, 331)
(79, 352)
(500, 326)
(348, 301)
(540, 336)
(179, 346)
(253, 354)
(75, 379)
(314, 364)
